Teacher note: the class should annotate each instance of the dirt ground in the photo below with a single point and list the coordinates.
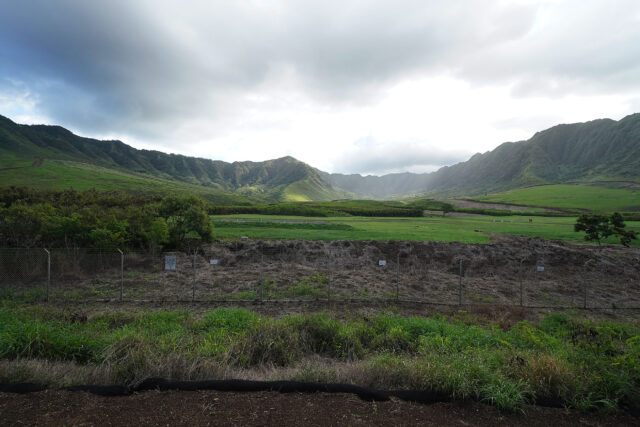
(204, 408)
(510, 271)
(489, 205)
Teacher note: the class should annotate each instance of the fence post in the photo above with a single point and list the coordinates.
(121, 273)
(398, 278)
(585, 281)
(329, 278)
(261, 281)
(521, 285)
(426, 277)
(193, 285)
(460, 285)
(48, 271)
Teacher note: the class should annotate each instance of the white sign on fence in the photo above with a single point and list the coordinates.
(382, 262)
(170, 262)
(213, 262)
(540, 268)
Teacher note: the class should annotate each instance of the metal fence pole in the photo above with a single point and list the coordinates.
(584, 305)
(261, 281)
(329, 278)
(460, 285)
(121, 272)
(48, 272)
(521, 284)
(426, 278)
(585, 283)
(193, 285)
(398, 278)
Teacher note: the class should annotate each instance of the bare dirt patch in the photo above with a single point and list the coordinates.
(510, 270)
(36, 164)
(472, 204)
(269, 408)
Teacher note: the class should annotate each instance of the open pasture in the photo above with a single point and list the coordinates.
(607, 197)
(471, 229)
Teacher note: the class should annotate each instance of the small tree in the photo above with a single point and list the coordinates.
(596, 227)
(599, 227)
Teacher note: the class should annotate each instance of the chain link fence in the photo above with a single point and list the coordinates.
(261, 270)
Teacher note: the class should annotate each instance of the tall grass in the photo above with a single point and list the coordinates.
(580, 363)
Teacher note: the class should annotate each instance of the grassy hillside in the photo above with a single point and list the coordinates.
(64, 174)
(610, 197)
(600, 150)
(279, 179)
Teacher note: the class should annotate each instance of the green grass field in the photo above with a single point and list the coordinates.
(466, 230)
(597, 198)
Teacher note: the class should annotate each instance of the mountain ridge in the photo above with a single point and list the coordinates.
(270, 179)
(601, 149)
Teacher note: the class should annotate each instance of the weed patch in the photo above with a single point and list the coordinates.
(583, 363)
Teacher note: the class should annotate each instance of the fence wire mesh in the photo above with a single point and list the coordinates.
(435, 273)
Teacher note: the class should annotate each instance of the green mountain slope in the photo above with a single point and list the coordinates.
(279, 179)
(592, 151)
(600, 150)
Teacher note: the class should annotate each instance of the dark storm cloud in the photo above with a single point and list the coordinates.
(121, 63)
(144, 68)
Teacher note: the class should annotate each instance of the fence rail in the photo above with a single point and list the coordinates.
(282, 271)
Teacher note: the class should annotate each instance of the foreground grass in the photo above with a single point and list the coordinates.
(445, 229)
(585, 364)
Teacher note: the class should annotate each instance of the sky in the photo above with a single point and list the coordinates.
(368, 87)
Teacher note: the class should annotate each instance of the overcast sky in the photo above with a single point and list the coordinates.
(346, 86)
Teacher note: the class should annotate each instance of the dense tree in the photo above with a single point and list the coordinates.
(93, 219)
(599, 227)
(186, 217)
(596, 227)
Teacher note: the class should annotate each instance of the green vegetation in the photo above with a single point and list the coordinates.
(598, 227)
(600, 150)
(100, 220)
(128, 221)
(243, 225)
(334, 208)
(597, 198)
(58, 175)
(437, 228)
(555, 358)
(70, 161)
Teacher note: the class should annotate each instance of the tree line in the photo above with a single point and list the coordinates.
(101, 220)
